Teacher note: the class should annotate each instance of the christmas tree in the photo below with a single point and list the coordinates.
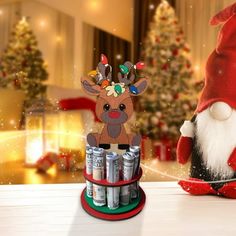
(171, 96)
(21, 65)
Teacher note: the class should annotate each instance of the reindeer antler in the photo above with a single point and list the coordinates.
(104, 71)
(127, 74)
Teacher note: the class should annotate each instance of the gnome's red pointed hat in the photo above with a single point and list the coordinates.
(220, 74)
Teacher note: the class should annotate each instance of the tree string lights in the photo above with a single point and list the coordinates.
(171, 94)
(22, 66)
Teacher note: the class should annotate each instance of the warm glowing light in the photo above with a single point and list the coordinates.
(151, 6)
(94, 4)
(1, 12)
(34, 151)
(154, 162)
(23, 20)
(52, 171)
(41, 131)
(71, 134)
(58, 39)
(12, 122)
(118, 56)
(42, 23)
(72, 131)
(196, 67)
(164, 2)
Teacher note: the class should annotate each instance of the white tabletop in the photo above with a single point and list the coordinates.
(56, 210)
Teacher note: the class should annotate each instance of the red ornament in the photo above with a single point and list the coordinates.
(176, 96)
(188, 65)
(175, 52)
(140, 65)
(177, 39)
(186, 49)
(163, 18)
(28, 48)
(157, 40)
(160, 124)
(104, 59)
(165, 66)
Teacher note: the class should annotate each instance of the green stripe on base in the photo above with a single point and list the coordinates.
(119, 210)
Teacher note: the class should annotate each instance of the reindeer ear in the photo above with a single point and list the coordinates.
(140, 87)
(90, 87)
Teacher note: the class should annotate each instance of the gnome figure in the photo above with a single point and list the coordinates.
(210, 137)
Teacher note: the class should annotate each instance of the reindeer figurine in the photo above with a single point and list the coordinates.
(114, 104)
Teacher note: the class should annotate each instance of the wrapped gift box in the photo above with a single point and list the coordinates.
(47, 161)
(70, 160)
(164, 150)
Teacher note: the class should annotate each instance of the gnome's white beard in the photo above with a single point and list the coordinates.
(216, 140)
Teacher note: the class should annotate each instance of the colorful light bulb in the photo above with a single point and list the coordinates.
(118, 89)
(139, 65)
(104, 59)
(133, 89)
(124, 69)
(105, 83)
(92, 73)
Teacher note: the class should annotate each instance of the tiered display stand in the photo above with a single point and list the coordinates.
(122, 212)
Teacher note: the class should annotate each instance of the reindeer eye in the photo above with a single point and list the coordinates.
(106, 107)
(122, 107)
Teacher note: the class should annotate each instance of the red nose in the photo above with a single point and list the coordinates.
(114, 114)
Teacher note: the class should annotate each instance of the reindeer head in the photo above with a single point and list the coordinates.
(114, 104)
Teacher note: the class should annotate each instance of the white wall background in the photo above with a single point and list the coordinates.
(112, 16)
(55, 34)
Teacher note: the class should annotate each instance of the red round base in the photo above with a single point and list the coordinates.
(113, 217)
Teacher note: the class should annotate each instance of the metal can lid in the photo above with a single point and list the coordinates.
(98, 151)
(112, 156)
(89, 149)
(134, 148)
(128, 156)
